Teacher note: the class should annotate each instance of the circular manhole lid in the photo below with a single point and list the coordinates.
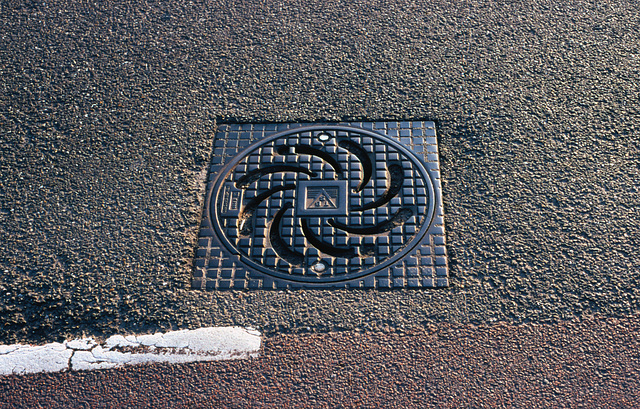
(322, 204)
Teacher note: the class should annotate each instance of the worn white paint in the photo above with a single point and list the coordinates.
(21, 359)
(204, 344)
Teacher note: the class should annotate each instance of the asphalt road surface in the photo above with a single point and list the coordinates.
(107, 111)
(590, 364)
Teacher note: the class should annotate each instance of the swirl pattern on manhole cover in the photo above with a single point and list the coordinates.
(322, 204)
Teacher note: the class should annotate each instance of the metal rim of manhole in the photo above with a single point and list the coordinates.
(322, 204)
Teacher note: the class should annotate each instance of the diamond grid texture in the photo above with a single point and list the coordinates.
(240, 249)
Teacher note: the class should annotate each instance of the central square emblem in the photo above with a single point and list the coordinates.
(322, 198)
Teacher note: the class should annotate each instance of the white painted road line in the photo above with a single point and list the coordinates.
(204, 344)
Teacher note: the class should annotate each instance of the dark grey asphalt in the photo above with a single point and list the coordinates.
(107, 110)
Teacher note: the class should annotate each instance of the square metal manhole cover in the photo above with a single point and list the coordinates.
(340, 205)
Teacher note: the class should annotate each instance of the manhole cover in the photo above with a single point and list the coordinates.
(319, 206)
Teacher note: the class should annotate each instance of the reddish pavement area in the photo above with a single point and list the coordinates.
(590, 363)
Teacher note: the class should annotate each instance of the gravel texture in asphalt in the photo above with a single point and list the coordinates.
(107, 111)
(586, 363)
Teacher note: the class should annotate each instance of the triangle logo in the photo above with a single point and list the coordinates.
(323, 201)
